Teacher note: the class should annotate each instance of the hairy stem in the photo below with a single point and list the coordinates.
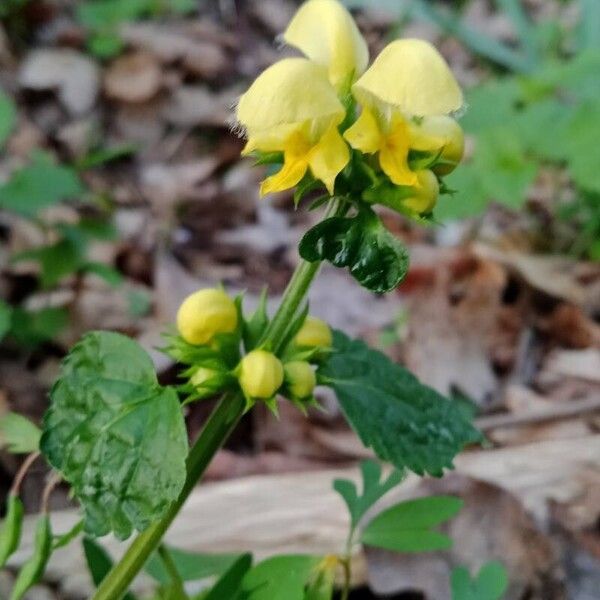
(217, 429)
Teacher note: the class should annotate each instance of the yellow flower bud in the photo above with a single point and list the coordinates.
(204, 314)
(314, 333)
(260, 374)
(426, 193)
(201, 376)
(432, 134)
(300, 378)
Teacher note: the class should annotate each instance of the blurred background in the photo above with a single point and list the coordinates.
(122, 190)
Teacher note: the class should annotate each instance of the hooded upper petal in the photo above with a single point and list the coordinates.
(292, 91)
(411, 75)
(327, 34)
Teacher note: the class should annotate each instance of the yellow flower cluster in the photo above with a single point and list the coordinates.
(300, 107)
(209, 313)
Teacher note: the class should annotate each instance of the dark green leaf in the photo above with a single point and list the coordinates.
(405, 422)
(8, 117)
(374, 257)
(279, 578)
(191, 566)
(406, 527)
(34, 568)
(229, 584)
(10, 533)
(99, 563)
(5, 318)
(56, 261)
(38, 186)
(18, 435)
(31, 328)
(115, 434)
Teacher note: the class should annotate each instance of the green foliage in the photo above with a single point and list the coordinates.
(254, 327)
(229, 584)
(8, 117)
(404, 421)
(115, 434)
(191, 566)
(18, 434)
(31, 328)
(373, 489)
(491, 583)
(374, 257)
(39, 185)
(5, 318)
(547, 119)
(33, 569)
(103, 18)
(99, 563)
(406, 527)
(10, 533)
(279, 578)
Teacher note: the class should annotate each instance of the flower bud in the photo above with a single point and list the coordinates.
(260, 374)
(204, 314)
(300, 379)
(436, 133)
(201, 376)
(314, 333)
(426, 193)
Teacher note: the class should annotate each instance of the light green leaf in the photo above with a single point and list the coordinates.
(406, 527)
(375, 258)
(18, 434)
(115, 434)
(190, 565)
(38, 186)
(404, 421)
(490, 584)
(280, 578)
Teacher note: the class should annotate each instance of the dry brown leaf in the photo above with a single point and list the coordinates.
(134, 77)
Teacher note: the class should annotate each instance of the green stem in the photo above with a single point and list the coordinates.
(217, 429)
(171, 569)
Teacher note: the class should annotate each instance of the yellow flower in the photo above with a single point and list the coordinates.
(425, 195)
(260, 374)
(325, 32)
(439, 133)
(293, 107)
(409, 80)
(204, 314)
(314, 333)
(300, 378)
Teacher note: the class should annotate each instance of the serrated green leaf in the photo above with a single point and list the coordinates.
(18, 434)
(115, 434)
(38, 186)
(279, 578)
(490, 584)
(374, 257)
(229, 584)
(191, 566)
(405, 422)
(406, 527)
(8, 117)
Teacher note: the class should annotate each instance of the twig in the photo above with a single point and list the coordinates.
(54, 480)
(573, 408)
(22, 472)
